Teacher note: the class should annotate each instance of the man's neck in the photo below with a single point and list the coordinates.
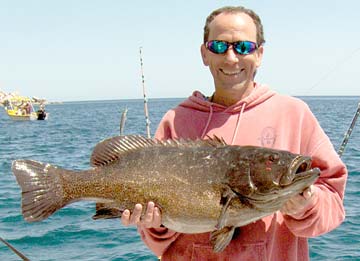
(228, 98)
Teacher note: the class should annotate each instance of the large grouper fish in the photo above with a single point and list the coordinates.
(198, 185)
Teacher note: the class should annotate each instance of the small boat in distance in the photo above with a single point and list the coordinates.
(21, 108)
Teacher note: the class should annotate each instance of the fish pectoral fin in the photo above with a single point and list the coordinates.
(107, 211)
(226, 198)
(221, 238)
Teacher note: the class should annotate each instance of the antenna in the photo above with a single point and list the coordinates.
(356, 115)
(332, 69)
(145, 99)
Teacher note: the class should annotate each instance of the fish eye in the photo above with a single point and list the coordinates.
(273, 157)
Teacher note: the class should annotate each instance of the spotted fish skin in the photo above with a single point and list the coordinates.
(199, 186)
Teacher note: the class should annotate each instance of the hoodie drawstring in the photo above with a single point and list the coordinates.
(238, 124)
(208, 122)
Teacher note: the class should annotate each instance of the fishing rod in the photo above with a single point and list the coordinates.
(349, 131)
(145, 99)
(23, 257)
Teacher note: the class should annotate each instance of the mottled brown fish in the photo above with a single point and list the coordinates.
(199, 186)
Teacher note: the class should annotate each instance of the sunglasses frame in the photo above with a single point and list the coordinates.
(233, 44)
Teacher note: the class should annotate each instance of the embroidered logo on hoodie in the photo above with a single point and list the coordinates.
(268, 137)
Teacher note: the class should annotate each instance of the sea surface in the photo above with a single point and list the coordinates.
(67, 139)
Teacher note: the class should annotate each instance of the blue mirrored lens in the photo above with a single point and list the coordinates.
(244, 47)
(218, 46)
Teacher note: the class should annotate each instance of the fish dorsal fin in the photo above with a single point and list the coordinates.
(215, 141)
(111, 149)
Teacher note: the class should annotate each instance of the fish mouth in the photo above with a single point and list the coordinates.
(300, 175)
(306, 178)
(299, 165)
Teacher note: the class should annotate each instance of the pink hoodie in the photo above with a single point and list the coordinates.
(264, 118)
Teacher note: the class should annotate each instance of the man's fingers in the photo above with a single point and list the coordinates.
(288, 208)
(307, 193)
(152, 217)
(297, 203)
(136, 215)
(125, 217)
(148, 219)
(157, 217)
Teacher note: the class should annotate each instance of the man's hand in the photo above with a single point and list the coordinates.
(151, 219)
(297, 203)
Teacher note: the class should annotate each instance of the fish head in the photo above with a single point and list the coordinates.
(263, 174)
(273, 169)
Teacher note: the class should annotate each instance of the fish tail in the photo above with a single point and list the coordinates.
(42, 192)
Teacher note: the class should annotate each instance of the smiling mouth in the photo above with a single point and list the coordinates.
(231, 73)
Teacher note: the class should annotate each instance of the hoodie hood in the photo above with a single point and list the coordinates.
(198, 101)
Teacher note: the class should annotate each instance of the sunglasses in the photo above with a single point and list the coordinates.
(240, 47)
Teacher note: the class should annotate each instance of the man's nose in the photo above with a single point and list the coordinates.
(231, 55)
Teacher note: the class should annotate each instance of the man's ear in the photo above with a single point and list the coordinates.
(204, 53)
(259, 56)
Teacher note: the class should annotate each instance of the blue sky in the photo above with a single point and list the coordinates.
(73, 50)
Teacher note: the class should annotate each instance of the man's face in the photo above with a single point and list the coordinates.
(232, 71)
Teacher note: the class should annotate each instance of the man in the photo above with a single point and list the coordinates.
(244, 112)
(27, 108)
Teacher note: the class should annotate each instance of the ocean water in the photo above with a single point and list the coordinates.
(67, 140)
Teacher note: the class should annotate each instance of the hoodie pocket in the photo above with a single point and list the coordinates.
(251, 251)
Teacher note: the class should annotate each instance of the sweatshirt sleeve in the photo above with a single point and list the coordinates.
(327, 211)
(159, 239)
